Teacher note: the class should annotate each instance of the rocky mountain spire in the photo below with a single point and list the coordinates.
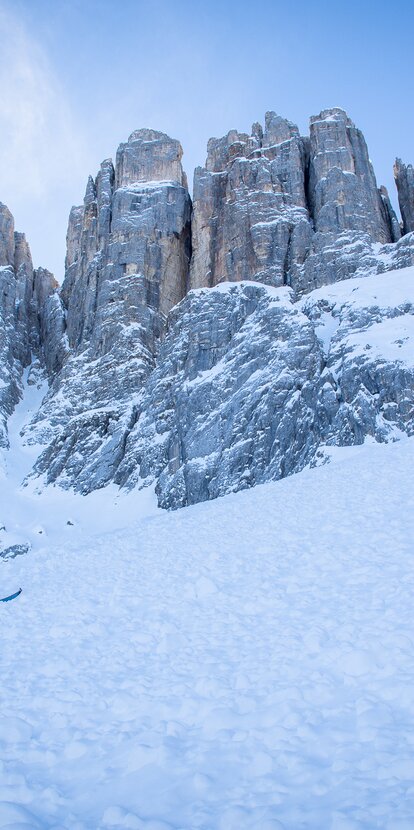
(343, 193)
(250, 217)
(128, 252)
(267, 204)
(147, 156)
(392, 220)
(130, 240)
(7, 242)
(404, 179)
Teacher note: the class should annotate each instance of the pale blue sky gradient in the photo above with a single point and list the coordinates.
(78, 76)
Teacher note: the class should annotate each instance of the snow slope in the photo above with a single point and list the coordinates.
(242, 664)
(367, 314)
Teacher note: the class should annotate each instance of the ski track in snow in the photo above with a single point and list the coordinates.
(240, 664)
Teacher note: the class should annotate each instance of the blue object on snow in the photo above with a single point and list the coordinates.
(11, 596)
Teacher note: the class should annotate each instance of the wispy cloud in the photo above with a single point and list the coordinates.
(41, 147)
(36, 126)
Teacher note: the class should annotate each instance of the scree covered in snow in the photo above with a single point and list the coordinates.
(242, 664)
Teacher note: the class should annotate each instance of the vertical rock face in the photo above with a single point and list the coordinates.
(48, 322)
(281, 209)
(343, 191)
(232, 401)
(6, 237)
(349, 214)
(249, 384)
(129, 245)
(24, 298)
(404, 179)
(148, 156)
(10, 353)
(128, 252)
(392, 221)
(250, 218)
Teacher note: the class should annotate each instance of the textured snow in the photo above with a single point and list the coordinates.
(325, 329)
(372, 317)
(242, 664)
(386, 290)
(391, 339)
(280, 294)
(157, 184)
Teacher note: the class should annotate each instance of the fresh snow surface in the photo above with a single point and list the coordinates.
(383, 303)
(243, 664)
(386, 290)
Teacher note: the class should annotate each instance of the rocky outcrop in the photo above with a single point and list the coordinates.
(343, 193)
(49, 325)
(366, 328)
(128, 247)
(351, 216)
(10, 351)
(7, 241)
(250, 217)
(148, 156)
(232, 401)
(268, 206)
(24, 297)
(128, 251)
(253, 396)
(390, 214)
(248, 387)
(404, 179)
(206, 391)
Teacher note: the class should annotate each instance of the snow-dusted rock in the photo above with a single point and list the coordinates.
(127, 263)
(249, 384)
(334, 258)
(24, 298)
(282, 209)
(252, 396)
(12, 551)
(366, 327)
(404, 179)
(10, 363)
(250, 217)
(230, 384)
(343, 191)
(232, 401)
(128, 247)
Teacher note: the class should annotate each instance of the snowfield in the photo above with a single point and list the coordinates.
(382, 304)
(242, 664)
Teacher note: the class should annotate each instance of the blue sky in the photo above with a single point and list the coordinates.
(78, 76)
